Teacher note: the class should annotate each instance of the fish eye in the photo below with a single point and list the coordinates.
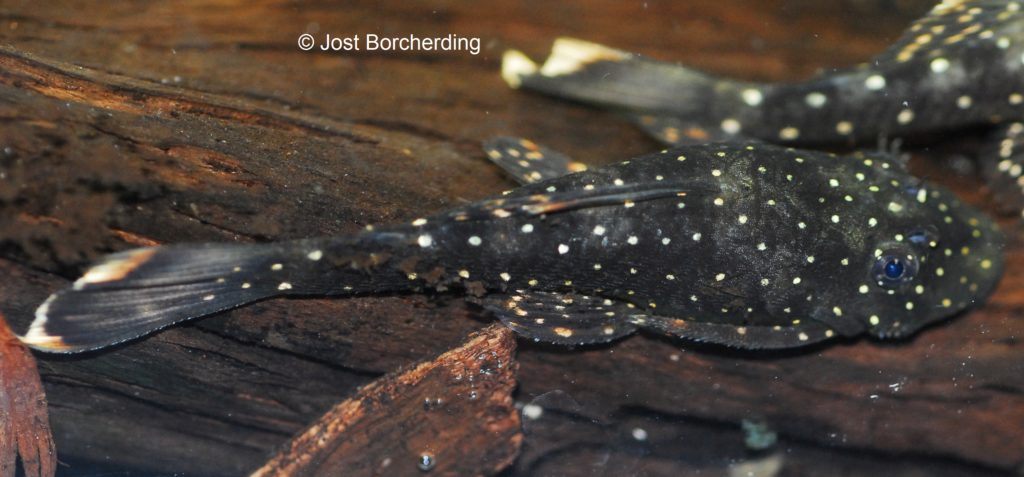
(894, 268)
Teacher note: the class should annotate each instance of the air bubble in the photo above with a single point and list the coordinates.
(426, 462)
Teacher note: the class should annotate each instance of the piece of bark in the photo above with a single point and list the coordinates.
(24, 423)
(451, 416)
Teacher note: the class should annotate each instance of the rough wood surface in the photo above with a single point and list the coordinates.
(153, 122)
(452, 415)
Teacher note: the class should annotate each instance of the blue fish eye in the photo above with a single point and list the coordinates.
(894, 268)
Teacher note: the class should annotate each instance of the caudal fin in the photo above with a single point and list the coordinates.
(596, 74)
(133, 293)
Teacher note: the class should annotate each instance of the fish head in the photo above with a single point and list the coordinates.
(930, 257)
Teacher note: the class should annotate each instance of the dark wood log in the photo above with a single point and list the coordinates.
(129, 124)
(452, 415)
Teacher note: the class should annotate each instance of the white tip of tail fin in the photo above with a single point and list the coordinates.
(515, 65)
(36, 337)
(115, 268)
(569, 55)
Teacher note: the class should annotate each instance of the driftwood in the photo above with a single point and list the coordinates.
(133, 124)
(433, 414)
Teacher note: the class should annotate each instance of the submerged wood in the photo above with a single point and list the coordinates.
(452, 415)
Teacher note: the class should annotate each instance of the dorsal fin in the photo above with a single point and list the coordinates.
(553, 202)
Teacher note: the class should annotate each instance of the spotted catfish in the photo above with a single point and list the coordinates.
(962, 65)
(746, 245)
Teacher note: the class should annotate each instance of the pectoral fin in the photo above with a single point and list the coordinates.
(562, 318)
(528, 162)
(747, 337)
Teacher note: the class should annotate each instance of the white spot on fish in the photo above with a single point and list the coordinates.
(789, 133)
(905, 116)
(939, 65)
(815, 99)
(731, 126)
(752, 97)
(874, 82)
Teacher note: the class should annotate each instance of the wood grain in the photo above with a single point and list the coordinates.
(452, 415)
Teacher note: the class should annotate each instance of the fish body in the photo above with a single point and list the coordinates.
(960, 66)
(747, 245)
